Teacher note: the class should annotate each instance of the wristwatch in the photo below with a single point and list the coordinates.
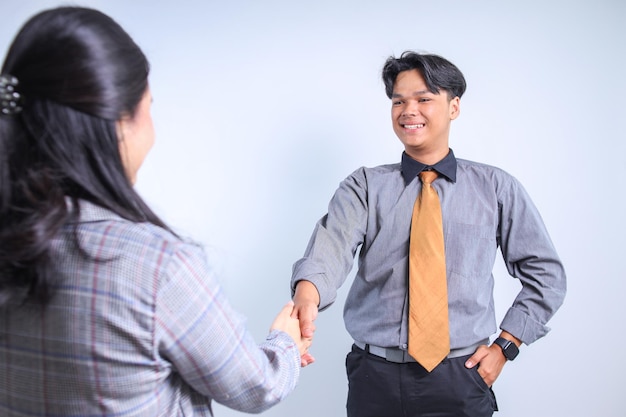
(509, 349)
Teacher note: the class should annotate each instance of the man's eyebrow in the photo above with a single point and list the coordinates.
(415, 93)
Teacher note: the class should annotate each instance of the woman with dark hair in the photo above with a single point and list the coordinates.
(103, 309)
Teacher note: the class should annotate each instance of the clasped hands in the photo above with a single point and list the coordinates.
(299, 327)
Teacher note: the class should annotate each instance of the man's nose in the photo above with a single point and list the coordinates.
(410, 109)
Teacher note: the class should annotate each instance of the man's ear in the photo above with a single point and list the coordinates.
(455, 107)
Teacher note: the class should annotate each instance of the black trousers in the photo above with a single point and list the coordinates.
(378, 388)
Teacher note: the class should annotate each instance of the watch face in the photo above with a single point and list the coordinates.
(511, 351)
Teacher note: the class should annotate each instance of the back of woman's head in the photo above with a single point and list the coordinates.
(77, 73)
(80, 58)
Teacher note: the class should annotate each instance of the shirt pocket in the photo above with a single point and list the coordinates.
(470, 249)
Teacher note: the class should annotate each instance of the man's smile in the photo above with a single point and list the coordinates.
(415, 126)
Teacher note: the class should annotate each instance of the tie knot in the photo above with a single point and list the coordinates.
(428, 176)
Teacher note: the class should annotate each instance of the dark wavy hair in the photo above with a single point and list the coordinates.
(79, 73)
(438, 73)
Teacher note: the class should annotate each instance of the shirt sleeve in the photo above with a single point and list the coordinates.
(530, 256)
(206, 341)
(329, 256)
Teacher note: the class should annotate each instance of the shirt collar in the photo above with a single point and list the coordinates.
(90, 212)
(446, 167)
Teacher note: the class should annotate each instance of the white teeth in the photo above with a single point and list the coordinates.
(414, 126)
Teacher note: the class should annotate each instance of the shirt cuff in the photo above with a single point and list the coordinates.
(522, 326)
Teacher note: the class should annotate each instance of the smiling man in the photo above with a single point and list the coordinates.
(427, 230)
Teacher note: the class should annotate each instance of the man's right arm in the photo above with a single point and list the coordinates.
(329, 256)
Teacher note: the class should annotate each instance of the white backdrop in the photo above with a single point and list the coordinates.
(271, 104)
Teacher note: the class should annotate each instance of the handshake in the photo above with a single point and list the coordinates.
(297, 317)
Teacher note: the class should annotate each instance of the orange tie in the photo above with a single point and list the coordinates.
(429, 336)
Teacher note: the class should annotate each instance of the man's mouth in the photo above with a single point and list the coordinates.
(416, 126)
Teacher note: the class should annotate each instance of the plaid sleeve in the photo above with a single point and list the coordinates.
(205, 339)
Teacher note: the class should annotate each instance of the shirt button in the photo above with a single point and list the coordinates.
(404, 346)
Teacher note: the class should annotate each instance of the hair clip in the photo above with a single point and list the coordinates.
(9, 97)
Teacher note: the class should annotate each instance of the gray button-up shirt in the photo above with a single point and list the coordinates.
(484, 209)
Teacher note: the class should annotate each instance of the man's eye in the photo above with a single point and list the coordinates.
(423, 99)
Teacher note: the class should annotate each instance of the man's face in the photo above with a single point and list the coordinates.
(421, 119)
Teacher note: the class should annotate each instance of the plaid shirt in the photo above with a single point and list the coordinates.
(146, 332)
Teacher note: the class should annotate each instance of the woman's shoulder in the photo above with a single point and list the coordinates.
(108, 232)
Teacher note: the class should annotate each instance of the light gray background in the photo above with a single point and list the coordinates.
(269, 105)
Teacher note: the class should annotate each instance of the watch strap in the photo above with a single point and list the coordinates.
(509, 349)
